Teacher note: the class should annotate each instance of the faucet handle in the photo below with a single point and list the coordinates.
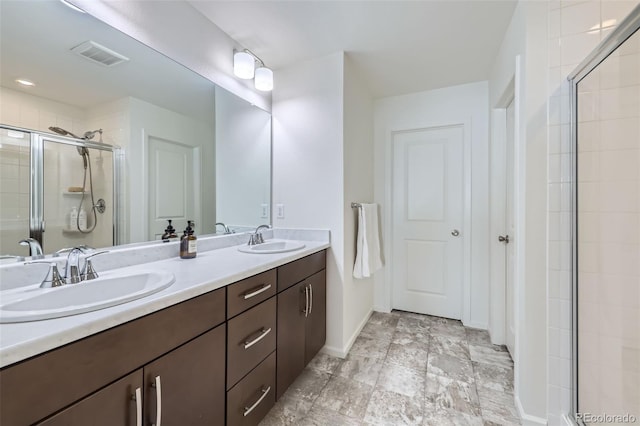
(89, 271)
(53, 278)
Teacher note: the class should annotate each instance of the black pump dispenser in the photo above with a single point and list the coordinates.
(188, 248)
(169, 233)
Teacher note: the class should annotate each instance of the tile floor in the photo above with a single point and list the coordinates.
(405, 369)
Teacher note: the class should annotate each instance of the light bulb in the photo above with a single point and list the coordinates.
(244, 65)
(264, 79)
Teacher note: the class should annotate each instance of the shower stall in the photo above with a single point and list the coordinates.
(606, 230)
(56, 189)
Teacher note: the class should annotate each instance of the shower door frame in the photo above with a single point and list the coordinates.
(37, 225)
(621, 33)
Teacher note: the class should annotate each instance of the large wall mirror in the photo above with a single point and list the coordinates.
(112, 123)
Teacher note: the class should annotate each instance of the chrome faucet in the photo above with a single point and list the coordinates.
(72, 267)
(256, 237)
(35, 249)
(225, 227)
(73, 273)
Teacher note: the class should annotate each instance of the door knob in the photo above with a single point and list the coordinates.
(504, 239)
(455, 232)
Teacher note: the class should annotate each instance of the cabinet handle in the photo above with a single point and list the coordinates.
(263, 288)
(306, 301)
(158, 387)
(263, 333)
(137, 397)
(311, 299)
(248, 410)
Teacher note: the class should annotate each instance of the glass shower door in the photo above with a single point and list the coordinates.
(15, 164)
(77, 196)
(608, 239)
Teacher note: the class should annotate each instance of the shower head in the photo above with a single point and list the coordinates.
(62, 132)
(91, 134)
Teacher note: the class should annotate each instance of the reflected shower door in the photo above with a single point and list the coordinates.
(66, 173)
(608, 238)
(15, 165)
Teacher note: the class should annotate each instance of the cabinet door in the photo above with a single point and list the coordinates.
(291, 331)
(186, 386)
(116, 404)
(316, 325)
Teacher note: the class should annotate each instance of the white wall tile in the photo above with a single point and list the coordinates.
(580, 18)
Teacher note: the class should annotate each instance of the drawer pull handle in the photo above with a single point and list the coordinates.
(158, 387)
(137, 397)
(248, 410)
(263, 333)
(262, 289)
(306, 301)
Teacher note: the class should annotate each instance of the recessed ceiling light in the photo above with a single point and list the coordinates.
(25, 82)
(72, 6)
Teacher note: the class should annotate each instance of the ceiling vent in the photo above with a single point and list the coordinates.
(99, 54)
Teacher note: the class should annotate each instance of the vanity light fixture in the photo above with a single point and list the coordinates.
(244, 66)
(72, 6)
(25, 82)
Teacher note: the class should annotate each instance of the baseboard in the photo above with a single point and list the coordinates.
(383, 309)
(478, 325)
(333, 351)
(527, 419)
(343, 352)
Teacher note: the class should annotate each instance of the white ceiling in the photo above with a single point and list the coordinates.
(35, 42)
(399, 46)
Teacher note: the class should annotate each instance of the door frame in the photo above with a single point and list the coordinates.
(466, 225)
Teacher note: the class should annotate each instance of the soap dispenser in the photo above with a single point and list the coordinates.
(188, 248)
(169, 233)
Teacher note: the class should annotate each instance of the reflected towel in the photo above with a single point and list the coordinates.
(368, 258)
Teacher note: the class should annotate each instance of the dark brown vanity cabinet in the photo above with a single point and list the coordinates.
(183, 387)
(301, 317)
(219, 358)
(87, 376)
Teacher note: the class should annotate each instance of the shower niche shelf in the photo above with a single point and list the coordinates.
(73, 193)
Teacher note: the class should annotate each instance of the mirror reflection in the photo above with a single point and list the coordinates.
(109, 139)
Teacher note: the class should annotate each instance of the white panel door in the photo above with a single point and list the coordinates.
(428, 212)
(510, 228)
(171, 185)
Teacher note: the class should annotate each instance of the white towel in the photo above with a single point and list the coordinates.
(368, 258)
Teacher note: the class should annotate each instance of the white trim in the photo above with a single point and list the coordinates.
(467, 231)
(568, 421)
(478, 325)
(342, 353)
(519, 155)
(527, 419)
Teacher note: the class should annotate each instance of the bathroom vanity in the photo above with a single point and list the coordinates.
(221, 357)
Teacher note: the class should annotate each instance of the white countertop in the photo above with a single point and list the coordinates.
(209, 271)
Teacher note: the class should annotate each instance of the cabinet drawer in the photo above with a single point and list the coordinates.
(249, 292)
(296, 271)
(251, 337)
(252, 398)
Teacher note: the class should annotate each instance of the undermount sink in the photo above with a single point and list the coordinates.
(272, 246)
(33, 303)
